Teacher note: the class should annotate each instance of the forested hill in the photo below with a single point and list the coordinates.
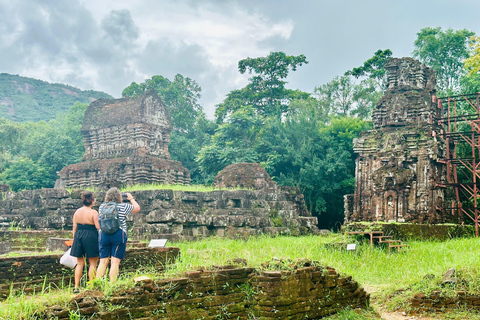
(27, 99)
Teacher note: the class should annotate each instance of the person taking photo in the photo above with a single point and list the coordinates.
(112, 246)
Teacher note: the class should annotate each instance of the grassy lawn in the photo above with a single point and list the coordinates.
(382, 274)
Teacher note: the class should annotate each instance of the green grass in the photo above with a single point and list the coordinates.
(179, 187)
(154, 186)
(371, 267)
(28, 306)
(381, 273)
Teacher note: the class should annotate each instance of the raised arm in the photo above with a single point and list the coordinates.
(136, 206)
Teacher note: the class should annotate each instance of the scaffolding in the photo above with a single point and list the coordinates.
(460, 123)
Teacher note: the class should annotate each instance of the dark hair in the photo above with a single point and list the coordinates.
(87, 198)
(113, 195)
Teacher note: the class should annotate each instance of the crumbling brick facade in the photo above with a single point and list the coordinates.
(398, 168)
(229, 292)
(126, 142)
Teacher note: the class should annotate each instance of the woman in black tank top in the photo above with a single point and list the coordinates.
(85, 238)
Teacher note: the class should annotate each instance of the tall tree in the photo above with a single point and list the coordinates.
(180, 96)
(236, 140)
(444, 51)
(266, 92)
(342, 96)
(373, 68)
(472, 63)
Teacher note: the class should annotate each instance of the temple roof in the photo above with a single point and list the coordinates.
(147, 108)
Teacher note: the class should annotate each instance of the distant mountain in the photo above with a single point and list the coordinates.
(26, 99)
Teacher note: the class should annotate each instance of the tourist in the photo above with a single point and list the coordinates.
(85, 238)
(113, 245)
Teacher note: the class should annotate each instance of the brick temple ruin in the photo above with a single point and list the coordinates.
(399, 169)
(126, 142)
(265, 208)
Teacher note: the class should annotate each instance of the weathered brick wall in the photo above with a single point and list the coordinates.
(437, 303)
(173, 214)
(31, 240)
(412, 231)
(30, 273)
(398, 168)
(305, 292)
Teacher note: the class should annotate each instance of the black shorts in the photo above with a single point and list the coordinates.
(85, 244)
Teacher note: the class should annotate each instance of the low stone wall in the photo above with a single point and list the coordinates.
(31, 240)
(170, 214)
(305, 292)
(411, 231)
(29, 273)
(437, 303)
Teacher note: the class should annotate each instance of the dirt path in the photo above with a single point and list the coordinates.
(388, 315)
(402, 316)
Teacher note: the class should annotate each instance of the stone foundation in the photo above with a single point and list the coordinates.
(412, 231)
(176, 215)
(124, 171)
(434, 302)
(305, 291)
(32, 273)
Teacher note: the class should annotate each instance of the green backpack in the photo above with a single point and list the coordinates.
(108, 218)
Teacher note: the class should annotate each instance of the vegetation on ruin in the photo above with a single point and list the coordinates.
(176, 187)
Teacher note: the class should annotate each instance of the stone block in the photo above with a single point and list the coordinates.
(57, 244)
(5, 247)
(163, 216)
(220, 221)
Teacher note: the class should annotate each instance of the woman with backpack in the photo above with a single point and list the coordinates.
(112, 237)
(85, 238)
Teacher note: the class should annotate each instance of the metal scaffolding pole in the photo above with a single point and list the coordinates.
(461, 130)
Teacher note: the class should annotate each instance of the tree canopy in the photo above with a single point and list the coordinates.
(444, 51)
(266, 92)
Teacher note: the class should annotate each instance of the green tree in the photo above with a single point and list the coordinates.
(266, 92)
(373, 68)
(472, 63)
(236, 140)
(180, 97)
(444, 51)
(315, 156)
(342, 96)
(24, 174)
(50, 146)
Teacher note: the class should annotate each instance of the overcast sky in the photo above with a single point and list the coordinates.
(107, 44)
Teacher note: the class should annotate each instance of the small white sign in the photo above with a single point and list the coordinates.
(351, 246)
(157, 243)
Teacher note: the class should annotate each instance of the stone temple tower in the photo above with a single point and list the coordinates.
(399, 171)
(126, 142)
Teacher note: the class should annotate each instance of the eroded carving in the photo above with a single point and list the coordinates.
(398, 173)
(126, 142)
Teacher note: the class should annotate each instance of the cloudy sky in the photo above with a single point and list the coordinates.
(107, 44)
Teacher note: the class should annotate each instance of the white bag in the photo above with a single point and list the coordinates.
(67, 260)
